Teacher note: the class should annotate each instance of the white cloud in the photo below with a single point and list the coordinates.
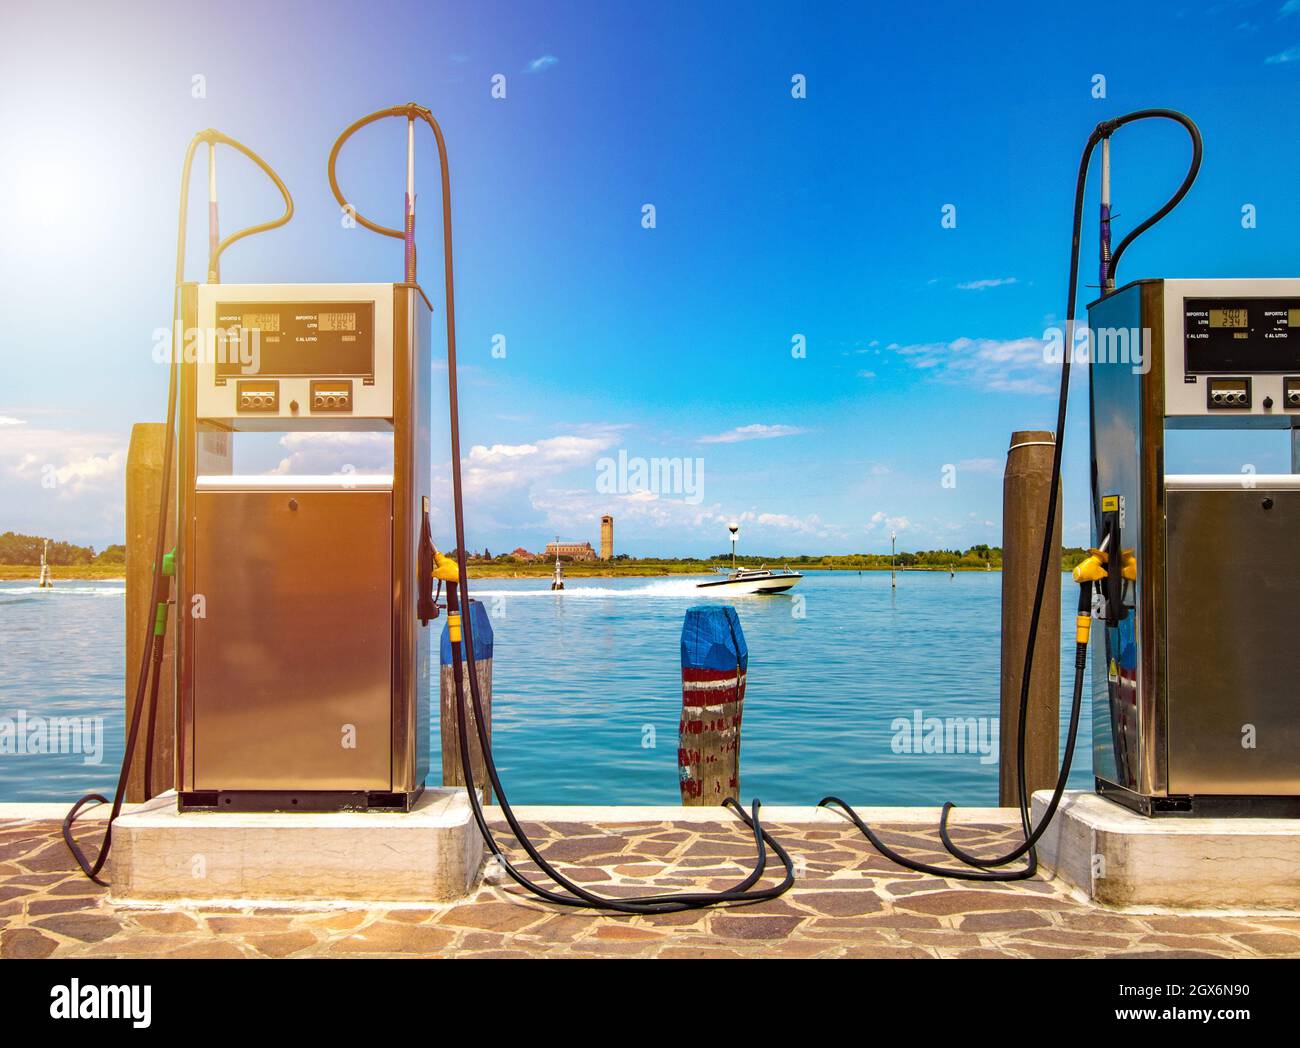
(9, 420)
(1291, 54)
(757, 431)
(572, 448)
(327, 453)
(64, 461)
(498, 470)
(1014, 365)
(984, 285)
(891, 523)
(542, 64)
(809, 525)
(67, 484)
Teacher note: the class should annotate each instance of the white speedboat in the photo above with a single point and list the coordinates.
(740, 581)
(752, 580)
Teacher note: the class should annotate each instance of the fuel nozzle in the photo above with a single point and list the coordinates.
(445, 568)
(1087, 573)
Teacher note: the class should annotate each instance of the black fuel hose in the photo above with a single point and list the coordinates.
(576, 895)
(984, 866)
(151, 654)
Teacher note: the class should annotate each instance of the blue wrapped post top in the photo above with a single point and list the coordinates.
(482, 627)
(712, 639)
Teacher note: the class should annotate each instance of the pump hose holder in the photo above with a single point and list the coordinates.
(427, 606)
(212, 137)
(411, 112)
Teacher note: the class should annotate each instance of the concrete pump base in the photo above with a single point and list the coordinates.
(1115, 857)
(431, 854)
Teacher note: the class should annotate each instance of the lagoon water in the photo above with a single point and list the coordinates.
(586, 690)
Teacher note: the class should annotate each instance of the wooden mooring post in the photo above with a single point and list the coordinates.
(715, 661)
(144, 481)
(1025, 487)
(452, 770)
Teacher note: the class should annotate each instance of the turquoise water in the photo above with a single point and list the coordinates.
(587, 686)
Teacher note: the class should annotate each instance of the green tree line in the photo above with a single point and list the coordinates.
(981, 557)
(976, 558)
(26, 549)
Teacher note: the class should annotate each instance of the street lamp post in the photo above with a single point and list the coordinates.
(893, 579)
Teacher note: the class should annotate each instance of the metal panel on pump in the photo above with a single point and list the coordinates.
(303, 667)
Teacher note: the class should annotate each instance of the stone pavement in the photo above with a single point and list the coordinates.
(848, 902)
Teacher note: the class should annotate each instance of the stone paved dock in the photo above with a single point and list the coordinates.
(848, 902)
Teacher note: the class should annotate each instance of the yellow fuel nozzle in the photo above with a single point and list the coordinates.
(1088, 572)
(445, 568)
(1128, 565)
(1092, 568)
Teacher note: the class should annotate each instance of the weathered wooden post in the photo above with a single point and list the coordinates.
(143, 490)
(1025, 487)
(715, 660)
(452, 770)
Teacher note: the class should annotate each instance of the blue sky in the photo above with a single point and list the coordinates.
(775, 217)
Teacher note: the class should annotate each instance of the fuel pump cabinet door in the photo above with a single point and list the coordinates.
(1234, 654)
(293, 649)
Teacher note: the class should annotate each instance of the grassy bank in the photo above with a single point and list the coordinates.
(62, 572)
(636, 568)
(629, 567)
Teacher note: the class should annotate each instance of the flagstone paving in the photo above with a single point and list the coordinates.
(848, 902)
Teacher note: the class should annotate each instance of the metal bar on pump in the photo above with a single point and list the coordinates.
(410, 200)
(214, 226)
(1107, 284)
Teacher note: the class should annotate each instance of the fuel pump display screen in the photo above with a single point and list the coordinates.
(299, 339)
(1241, 335)
(1229, 318)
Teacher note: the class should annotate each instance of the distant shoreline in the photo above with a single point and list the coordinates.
(597, 570)
(65, 572)
(576, 570)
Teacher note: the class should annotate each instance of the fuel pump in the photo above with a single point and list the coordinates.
(1194, 674)
(303, 683)
(1111, 570)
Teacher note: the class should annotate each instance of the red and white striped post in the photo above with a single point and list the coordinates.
(714, 665)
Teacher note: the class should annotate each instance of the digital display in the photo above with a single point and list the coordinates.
(1246, 333)
(260, 321)
(1231, 318)
(337, 322)
(320, 339)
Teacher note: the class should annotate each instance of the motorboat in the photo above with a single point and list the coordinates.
(752, 580)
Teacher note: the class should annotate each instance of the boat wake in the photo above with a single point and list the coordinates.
(665, 588)
(62, 591)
